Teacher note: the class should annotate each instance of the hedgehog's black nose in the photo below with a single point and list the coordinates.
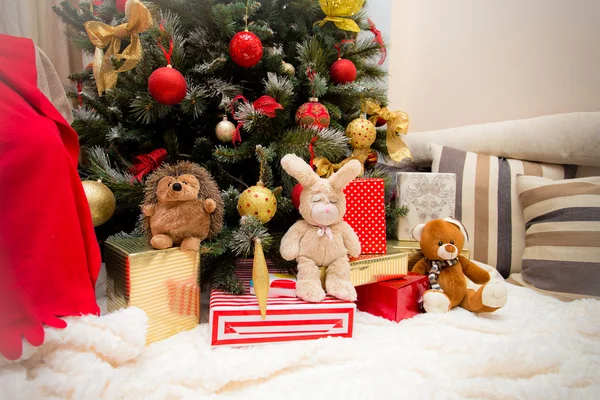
(177, 187)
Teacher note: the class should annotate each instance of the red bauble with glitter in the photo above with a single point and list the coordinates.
(120, 4)
(167, 86)
(380, 122)
(342, 71)
(296, 192)
(313, 114)
(245, 49)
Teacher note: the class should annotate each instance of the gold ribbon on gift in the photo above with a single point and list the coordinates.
(397, 124)
(338, 11)
(101, 35)
(325, 168)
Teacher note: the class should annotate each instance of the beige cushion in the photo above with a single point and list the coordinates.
(487, 202)
(561, 139)
(562, 234)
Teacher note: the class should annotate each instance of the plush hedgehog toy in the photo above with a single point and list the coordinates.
(182, 205)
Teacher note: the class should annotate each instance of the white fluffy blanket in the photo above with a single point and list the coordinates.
(535, 348)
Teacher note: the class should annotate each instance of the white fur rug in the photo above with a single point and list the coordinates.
(535, 348)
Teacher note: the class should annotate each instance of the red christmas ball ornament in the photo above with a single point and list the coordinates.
(245, 49)
(342, 71)
(296, 192)
(120, 4)
(313, 114)
(380, 122)
(167, 86)
(371, 159)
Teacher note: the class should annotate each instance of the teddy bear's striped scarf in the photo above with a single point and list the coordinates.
(435, 268)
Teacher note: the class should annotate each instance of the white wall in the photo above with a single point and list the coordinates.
(464, 62)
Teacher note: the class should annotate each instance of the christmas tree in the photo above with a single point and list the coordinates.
(230, 54)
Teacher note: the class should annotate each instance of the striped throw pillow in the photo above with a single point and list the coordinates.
(562, 234)
(487, 202)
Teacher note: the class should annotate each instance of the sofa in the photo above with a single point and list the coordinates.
(537, 347)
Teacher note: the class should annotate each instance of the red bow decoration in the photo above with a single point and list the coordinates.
(266, 105)
(146, 163)
(379, 39)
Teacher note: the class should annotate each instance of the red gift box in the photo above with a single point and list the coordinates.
(236, 320)
(395, 300)
(365, 212)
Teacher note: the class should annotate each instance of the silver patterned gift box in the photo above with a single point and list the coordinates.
(427, 196)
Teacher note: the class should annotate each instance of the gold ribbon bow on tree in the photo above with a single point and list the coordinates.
(397, 124)
(101, 35)
(338, 11)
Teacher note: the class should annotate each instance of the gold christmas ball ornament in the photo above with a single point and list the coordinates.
(361, 132)
(288, 68)
(258, 201)
(101, 200)
(225, 130)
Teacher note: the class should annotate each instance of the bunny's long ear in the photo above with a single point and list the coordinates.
(344, 175)
(299, 169)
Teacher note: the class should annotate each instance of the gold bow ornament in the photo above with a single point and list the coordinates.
(338, 11)
(101, 35)
(397, 124)
(325, 168)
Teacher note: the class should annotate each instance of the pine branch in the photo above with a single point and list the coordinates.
(331, 143)
(126, 189)
(230, 200)
(242, 239)
(233, 155)
(193, 102)
(90, 126)
(391, 219)
(280, 88)
(147, 110)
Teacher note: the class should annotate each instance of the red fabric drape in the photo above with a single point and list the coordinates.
(49, 256)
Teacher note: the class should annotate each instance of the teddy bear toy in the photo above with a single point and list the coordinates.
(441, 241)
(321, 238)
(182, 206)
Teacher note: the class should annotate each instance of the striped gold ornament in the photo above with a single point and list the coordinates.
(163, 283)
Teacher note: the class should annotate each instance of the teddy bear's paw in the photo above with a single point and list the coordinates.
(161, 242)
(494, 294)
(341, 289)
(309, 290)
(435, 301)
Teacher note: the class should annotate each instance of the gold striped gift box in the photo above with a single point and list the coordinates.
(373, 268)
(163, 283)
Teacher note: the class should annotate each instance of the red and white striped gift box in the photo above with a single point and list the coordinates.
(365, 213)
(236, 321)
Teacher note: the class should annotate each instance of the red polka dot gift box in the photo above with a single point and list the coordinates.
(365, 212)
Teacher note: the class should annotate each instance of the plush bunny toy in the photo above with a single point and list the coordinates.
(321, 239)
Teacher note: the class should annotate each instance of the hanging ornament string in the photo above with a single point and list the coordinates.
(169, 53)
(311, 74)
(246, 15)
(338, 46)
(237, 137)
(379, 39)
(80, 92)
(146, 163)
(311, 150)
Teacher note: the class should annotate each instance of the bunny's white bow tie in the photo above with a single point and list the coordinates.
(325, 230)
